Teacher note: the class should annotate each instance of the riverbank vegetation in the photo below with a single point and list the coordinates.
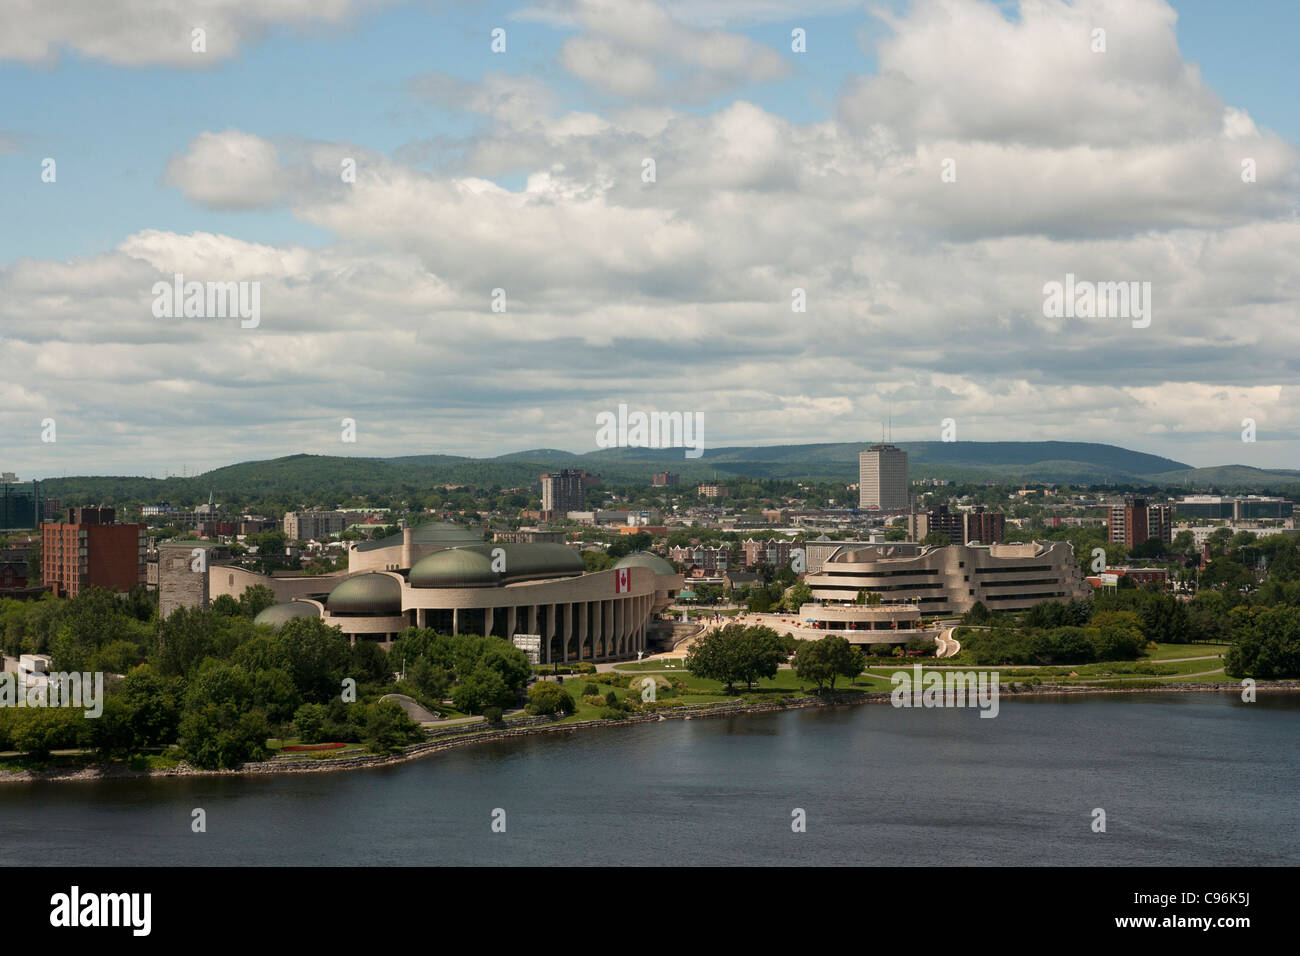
(214, 687)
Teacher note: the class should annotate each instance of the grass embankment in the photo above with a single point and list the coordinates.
(1162, 664)
(697, 690)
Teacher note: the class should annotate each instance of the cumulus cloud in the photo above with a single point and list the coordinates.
(228, 170)
(638, 49)
(148, 32)
(957, 69)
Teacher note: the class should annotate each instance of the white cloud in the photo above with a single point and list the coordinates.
(958, 69)
(923, 295)
(228, 170)
(638, 49)
(148, 32)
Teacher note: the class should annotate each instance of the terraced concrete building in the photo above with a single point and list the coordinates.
(949, 580)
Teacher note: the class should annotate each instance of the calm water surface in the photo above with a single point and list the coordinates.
(1196, 779)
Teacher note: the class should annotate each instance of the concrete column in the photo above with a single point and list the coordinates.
(620, 624)
(566, 631)
(581, 608)
(455, 622)
(488, 615)
(532, 619)
(510, 622)
(611, 639)
(597, 629)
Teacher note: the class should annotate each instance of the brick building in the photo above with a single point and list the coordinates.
(775, 552)
(1136, 522)
(91, 550)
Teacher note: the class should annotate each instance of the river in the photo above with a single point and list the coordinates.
(1195, 779)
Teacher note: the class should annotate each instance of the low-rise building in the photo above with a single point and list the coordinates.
(949, 580)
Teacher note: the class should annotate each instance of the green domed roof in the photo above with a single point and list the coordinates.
(453, 568)
(371, 593)
(471, 566)
(644, 559)
(524, 561)
(277, 615)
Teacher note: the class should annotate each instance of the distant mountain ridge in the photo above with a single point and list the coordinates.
(1046, 461)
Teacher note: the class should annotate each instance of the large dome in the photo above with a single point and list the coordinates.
(453, 568)
(468, 567)
(526, 561)
(644, 559)
(371, 593)
(278, 615)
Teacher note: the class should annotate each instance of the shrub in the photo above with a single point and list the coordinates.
(548, 697)
(591, 689)
(610, 713)
(493, 714)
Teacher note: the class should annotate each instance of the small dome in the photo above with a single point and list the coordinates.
(371, 593)
(644, 559)
(277, 615)
(453, 568)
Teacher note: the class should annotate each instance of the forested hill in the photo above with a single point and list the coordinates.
(315, 476)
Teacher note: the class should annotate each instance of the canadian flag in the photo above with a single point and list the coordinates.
(622, 580)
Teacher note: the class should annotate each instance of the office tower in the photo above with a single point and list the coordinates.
(882, 478)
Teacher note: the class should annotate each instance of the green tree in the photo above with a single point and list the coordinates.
(1267, 644)
(316, 656)
(388, 728)
(736, 653)
(483, 687)
(187, 637)
(309, 723)
(256, 599)
(824, 660)
(154, 711)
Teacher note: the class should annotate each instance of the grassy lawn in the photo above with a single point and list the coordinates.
(1118, 672)
(701, 691)
(1166, 651)
(661, 665)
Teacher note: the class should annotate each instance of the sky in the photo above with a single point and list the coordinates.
(472, 228)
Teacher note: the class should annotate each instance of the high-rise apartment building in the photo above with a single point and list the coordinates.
(563, 491)
(665, 478)
(89, 550)
(882, 478)
(961, 527)
(1136, 522)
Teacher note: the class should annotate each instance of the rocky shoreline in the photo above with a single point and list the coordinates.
(704, 711)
